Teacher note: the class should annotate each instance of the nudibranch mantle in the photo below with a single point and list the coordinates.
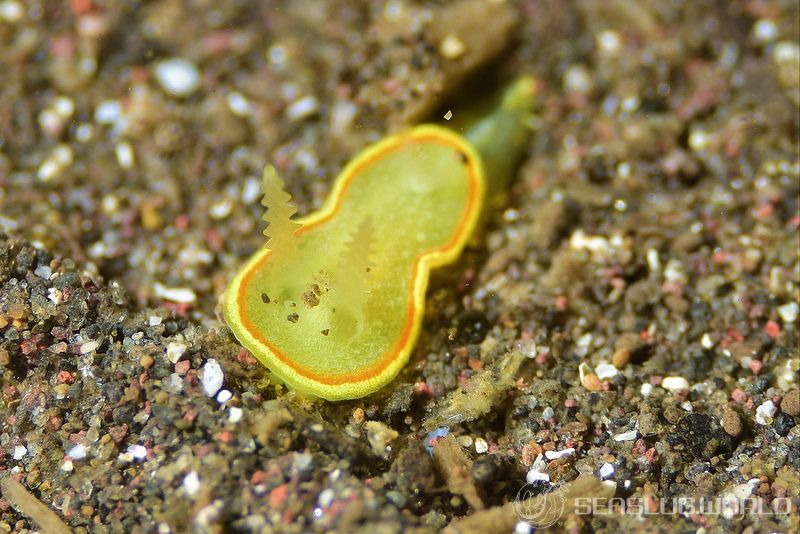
(337, 313)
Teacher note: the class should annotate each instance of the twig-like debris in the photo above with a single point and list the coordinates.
(481, 393)
(456, 469)
(541, 511)
(47, 520)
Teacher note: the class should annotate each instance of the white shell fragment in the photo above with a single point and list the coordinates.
(675, 383)
(177, 76)
(211, 377)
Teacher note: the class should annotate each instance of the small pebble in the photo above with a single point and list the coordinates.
(535, 475)
(175, 350)
(699, 140)
(146, 361)
(765, 31)
(177, 76)
(302, 461)
(675, 272)
(174, 384)
(50, 122)
(609, 42)
(238, 104)
(527, 348)
(326, 498)
(786, 56)
(653, 260)
(63, 106)
(464, 441)
(224, 396)
(174, 294)
(221, 209)
(791, 402)
(783, 423)
(481, 446)
(675, 383)
(606, 470)
(78, 452)
(578, 79)
(277, 55)
(84, 132)
(739, 396)
(765, 412)
(788, 312)
(235, 414)
(380, 436)
(19, 452)
(211, 376)
(605, 371)
(191, 483)
(89, 346)
(343, 113)
(554, 455)
(125, 157)
(359, 415)
(108, 112)
(731, 422)
(137, 451)
(302, 108)
(626, 436)
(621, 358)
(743, 491)
(452, 47)
(59, 159)
(43, 271)
(251, 190)
(589, 380)
(11, 11)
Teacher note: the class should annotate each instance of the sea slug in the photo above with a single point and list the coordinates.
(334, 302)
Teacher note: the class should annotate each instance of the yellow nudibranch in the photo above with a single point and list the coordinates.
(333, 304)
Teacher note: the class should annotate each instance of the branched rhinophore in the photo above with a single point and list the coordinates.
(280, 230)
(355, 270)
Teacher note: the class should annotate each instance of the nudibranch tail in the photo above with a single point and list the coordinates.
(500, 132)
(402, 207)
